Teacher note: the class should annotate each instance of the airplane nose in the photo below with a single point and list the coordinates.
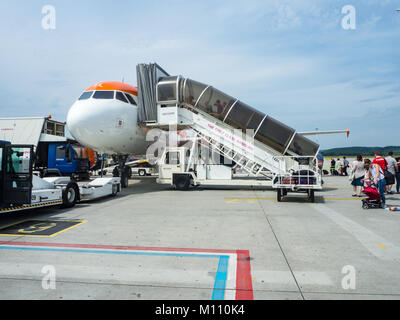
(81, 120)
(106, 126)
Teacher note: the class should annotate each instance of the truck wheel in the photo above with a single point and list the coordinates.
(70, 195)
(142, 172)
(182, 183)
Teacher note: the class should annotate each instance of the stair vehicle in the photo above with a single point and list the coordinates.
(22, 190)
(255, 143)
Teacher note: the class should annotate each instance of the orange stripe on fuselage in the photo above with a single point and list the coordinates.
(113, 85)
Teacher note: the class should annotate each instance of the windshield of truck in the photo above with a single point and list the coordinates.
(80, 153)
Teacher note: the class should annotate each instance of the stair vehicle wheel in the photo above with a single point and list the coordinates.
(182, 182)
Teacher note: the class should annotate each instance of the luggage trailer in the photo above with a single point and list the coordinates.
(305, 176)
(21, 189)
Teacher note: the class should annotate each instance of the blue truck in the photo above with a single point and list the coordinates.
(62, 158)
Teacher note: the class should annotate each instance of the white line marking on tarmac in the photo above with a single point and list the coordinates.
(366, 237)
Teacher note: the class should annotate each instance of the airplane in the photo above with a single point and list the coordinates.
(105, 119)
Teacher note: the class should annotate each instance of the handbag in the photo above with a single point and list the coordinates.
(389, 177)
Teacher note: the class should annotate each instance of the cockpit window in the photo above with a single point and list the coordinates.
(121, 96)
(86, 95)
(103, 95)
(130, 98)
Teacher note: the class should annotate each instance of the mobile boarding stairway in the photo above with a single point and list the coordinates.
(272, 153)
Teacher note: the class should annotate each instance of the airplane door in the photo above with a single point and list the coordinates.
(17, 174)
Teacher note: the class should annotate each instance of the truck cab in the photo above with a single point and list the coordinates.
(69, 159)
(15, 174)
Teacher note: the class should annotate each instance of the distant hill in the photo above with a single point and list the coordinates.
(364, 151)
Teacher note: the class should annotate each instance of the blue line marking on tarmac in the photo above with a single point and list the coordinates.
(220, 277)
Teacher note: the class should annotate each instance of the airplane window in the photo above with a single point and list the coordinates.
(121, 96)
(86, 95)
(130, 98)
(103, 95)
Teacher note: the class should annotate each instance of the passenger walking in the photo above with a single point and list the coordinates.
(398, 175)
(345, 166)
(339, 165)
(375, 174)
(333, 166)
(356, 176)
(392, 168)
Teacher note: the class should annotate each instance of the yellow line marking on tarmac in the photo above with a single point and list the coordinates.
(381, 245)
(232, 201)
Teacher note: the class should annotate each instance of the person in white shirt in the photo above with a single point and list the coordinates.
(356, 176)
(392, 168)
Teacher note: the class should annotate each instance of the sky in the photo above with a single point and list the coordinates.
(294, 60)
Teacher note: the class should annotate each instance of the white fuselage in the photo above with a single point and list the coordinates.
(107, 126)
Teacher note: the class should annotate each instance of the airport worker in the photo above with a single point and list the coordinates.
(356, 176)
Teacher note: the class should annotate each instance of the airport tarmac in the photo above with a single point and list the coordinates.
(152, 242)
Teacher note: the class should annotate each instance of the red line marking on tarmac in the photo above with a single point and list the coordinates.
(244, 287)
(100, 246)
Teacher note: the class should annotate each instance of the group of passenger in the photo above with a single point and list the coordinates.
(380, 172)
(339, 168)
